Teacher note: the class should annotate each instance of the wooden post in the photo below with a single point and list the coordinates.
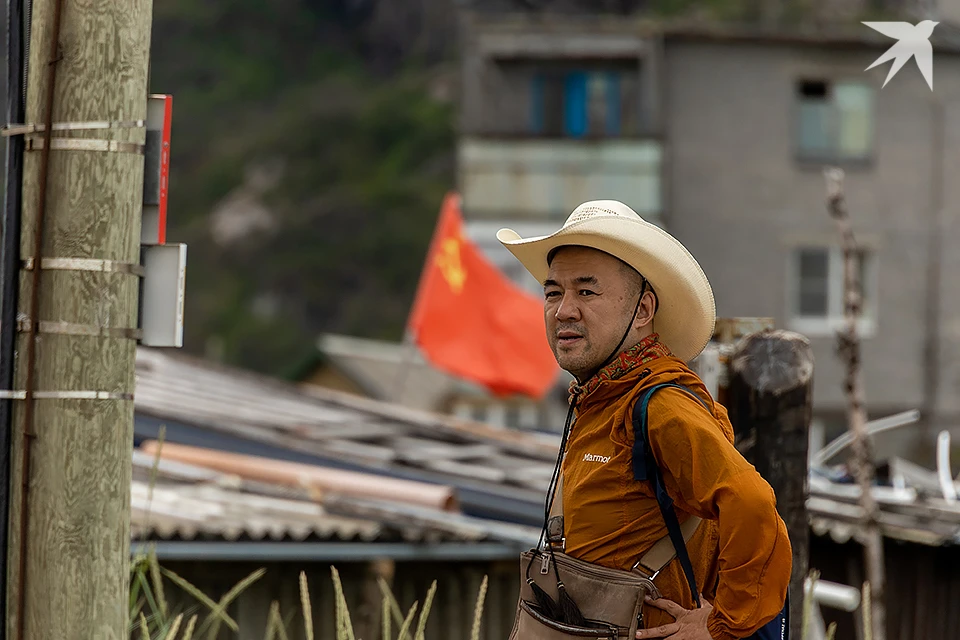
(70, 524)
(727, 334)
(848, 348)
(771, 398)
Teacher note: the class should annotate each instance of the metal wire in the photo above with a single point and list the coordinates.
(28, 413)
(10, 263)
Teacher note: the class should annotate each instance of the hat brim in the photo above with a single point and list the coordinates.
(687, 315)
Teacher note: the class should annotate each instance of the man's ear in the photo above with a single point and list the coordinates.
(646, 310)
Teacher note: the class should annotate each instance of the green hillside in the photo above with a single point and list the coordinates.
(309, 159)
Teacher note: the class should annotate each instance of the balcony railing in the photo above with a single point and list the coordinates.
(547, 179)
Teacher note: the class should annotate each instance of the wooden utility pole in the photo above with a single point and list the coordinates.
(82, 195)
(770, 405)
(849, 351)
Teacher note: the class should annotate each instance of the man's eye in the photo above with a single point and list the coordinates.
(586, 292)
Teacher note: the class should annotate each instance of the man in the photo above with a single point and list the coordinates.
(626, 306)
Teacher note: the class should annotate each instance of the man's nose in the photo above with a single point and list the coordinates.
(568, 308)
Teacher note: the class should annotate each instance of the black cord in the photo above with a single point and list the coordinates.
(18, 24)
(616, 350)
(551, 489)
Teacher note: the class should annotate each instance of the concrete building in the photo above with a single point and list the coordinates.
(721, 135)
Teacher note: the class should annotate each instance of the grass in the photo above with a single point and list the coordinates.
(151, 617)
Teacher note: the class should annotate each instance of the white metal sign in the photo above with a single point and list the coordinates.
(164, 287)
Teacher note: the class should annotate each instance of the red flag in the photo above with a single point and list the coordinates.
(471, 321)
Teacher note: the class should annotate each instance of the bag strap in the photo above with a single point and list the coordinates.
(663, 550)
(645, 469)
(555, 526)
(556, 508)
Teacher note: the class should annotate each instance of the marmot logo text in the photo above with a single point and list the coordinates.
(589, 457)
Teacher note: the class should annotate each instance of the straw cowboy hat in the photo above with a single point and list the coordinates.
(687, 313)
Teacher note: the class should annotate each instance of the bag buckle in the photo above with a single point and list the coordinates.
(645, 571)
(555, 537)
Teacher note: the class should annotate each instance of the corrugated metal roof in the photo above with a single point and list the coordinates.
(906, 514)
(334, 424)
(383, 437)
(187, 512)
(176, 501)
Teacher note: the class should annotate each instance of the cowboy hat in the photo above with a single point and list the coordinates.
(687, 313)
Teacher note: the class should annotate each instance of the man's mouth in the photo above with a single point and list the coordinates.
(568, 337)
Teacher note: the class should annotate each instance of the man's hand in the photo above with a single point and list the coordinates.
(691, 624)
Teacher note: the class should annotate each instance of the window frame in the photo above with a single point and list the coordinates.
(834, 155)
(833, 321)
(575, 115)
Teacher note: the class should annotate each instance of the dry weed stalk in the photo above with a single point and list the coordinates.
(188, 632)
(305, 604)
(478, 611)
(849, 351)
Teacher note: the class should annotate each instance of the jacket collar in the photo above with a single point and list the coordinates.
(647, 350)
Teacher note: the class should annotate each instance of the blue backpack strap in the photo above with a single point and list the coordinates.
(645, 469)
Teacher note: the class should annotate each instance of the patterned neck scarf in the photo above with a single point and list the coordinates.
(648, 349)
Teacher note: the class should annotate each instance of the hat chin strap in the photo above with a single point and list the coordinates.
(616, 350)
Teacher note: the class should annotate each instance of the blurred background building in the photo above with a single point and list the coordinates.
(720, 134)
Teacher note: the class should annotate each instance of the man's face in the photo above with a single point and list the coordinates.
(589, 297)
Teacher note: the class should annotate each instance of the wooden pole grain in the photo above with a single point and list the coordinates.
(69, 548)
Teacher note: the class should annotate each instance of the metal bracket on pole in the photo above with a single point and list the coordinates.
(24, 129)
(67, 395)
(85, 144)
(85, 264)
(73, 329)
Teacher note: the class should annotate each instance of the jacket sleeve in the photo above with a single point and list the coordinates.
(706, 475)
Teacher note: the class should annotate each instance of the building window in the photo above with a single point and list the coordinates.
(835, 120)
(579, 103)
(530, 416)
(813, 299)
(816, 290)
(511, 415)
(478, 413)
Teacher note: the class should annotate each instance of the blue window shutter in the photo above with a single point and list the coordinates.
(613, 103)
(575, 104)
(536, 103)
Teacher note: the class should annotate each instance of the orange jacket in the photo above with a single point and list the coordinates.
(741, 553)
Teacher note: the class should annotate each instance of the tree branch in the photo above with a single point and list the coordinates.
(848, 349)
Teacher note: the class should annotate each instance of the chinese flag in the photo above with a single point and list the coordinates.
(471, 321)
